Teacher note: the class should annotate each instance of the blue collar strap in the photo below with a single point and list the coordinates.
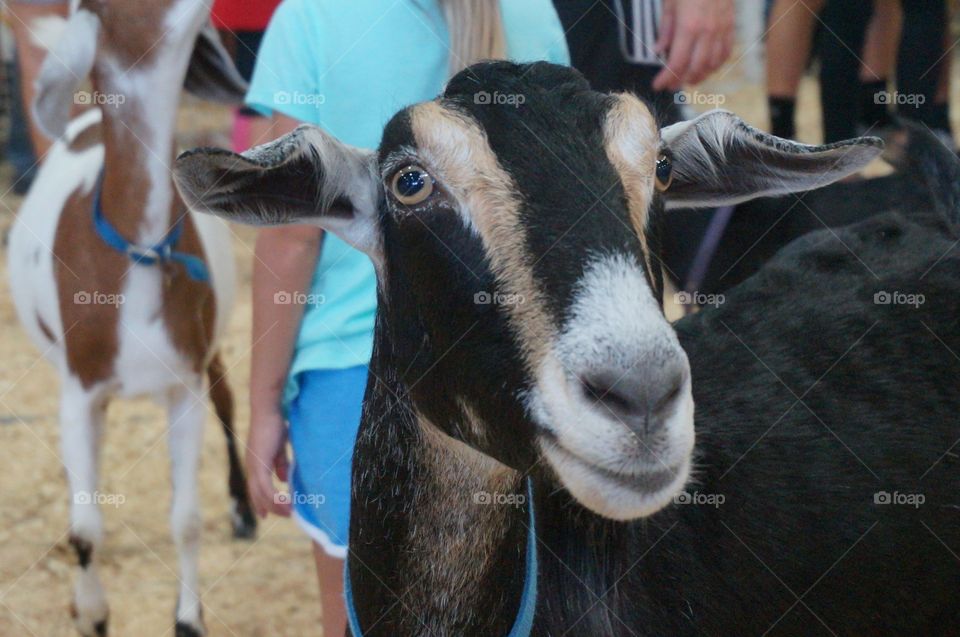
(160, 253)
(523, 625)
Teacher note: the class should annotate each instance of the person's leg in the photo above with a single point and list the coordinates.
(918, 62)
(789, 40)
(842, 38)
(330, 577)
(322, 441)
(31, 56)
(879, 62)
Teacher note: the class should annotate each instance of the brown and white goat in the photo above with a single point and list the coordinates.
(112, 325)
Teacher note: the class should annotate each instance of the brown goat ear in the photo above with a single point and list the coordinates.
(718, 159)
(66, 66)
(305, 177)
(211, 74)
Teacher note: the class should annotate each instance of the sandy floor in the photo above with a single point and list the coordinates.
(261, 588)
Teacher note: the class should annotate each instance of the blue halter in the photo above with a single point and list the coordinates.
(523, 625)
(161, 253)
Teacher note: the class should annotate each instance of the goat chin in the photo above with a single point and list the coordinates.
(615, 496)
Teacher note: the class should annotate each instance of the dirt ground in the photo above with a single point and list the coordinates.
(255, 588)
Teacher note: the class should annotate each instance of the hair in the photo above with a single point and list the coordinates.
(476, 32)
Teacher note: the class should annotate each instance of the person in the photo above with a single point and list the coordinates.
(651, 47)
(863, 44)
(346, 67)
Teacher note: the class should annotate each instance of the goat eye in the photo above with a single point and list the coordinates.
(664, 173)
(411, 185)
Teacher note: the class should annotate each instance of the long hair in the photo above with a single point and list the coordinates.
(476, 31)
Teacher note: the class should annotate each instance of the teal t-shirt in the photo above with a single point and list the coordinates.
(348, 67)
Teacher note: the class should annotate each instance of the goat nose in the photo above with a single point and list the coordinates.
(641, 398)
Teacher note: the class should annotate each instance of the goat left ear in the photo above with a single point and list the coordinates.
(305, 177)
(717, 159)
(212, 75)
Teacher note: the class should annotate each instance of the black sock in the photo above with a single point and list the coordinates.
(781, 116)
(874, 101)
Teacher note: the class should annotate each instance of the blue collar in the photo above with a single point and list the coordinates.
(523, 625)
(161, 253)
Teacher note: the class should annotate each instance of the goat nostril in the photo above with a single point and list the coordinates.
(619, 395)
(642, 400)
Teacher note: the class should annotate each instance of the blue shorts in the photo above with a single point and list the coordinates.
(324, 418)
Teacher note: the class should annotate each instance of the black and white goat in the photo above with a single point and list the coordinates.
(520, 335)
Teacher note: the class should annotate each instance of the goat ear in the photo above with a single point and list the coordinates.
(720, 160)
(211, 74)
(306, 177)
(66, 66)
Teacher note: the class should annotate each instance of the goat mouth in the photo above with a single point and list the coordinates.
(645, 479)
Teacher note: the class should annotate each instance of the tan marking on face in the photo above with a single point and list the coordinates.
(456, 151)
(632, 140)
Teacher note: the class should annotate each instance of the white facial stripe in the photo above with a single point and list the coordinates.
(615, 324)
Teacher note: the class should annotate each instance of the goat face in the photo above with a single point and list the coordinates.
(508, 220)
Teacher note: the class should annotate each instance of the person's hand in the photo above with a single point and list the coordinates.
(696, 38)
(266, 455)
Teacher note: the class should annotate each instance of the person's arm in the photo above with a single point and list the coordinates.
(696, 36)
(285, 258)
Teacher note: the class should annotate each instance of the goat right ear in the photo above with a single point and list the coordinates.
(306, 176)
(212, 74)
(67, 64)
(718, 160)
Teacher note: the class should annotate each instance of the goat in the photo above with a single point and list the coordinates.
(519, 335)
(124, 292)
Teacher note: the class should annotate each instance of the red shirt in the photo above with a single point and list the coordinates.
(243, 15)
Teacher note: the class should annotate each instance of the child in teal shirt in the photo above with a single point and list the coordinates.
(347, 67)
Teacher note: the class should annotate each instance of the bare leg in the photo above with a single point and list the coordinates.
(81, 420)
(330, 576)
(30, 58)
(883, 41)
(789, 40)
(186, 414)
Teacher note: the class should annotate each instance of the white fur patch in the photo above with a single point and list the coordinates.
(615, 325)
